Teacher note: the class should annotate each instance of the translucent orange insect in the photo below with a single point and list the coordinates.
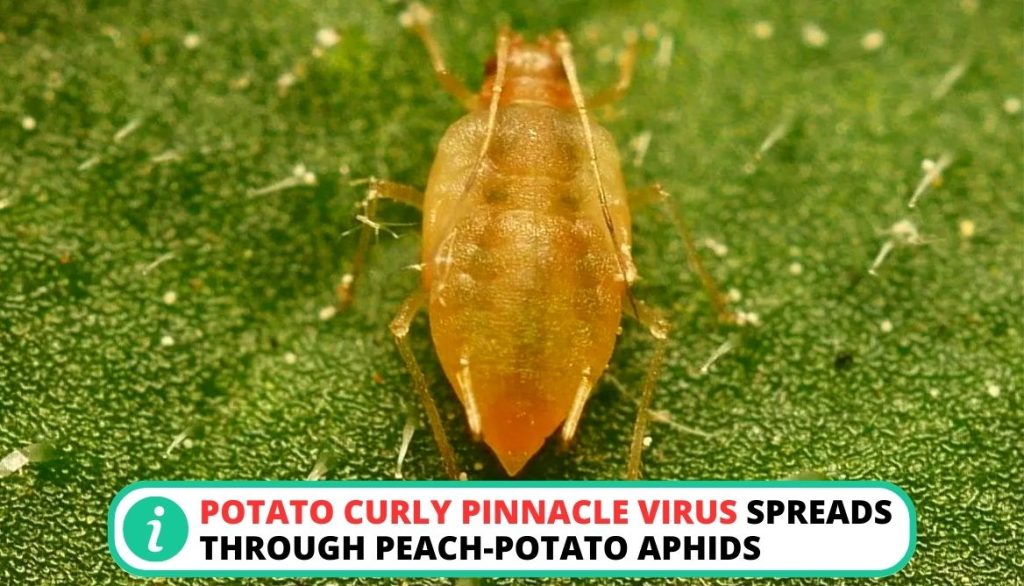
(526, 263)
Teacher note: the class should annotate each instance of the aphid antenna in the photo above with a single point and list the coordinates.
(628, 271)
(501, 51)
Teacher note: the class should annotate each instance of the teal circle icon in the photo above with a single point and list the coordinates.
(155, 529)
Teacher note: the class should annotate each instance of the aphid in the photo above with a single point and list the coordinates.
(526, 263)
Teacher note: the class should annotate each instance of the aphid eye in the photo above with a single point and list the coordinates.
(491, 66)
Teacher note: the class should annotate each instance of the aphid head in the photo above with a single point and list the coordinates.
(525, 59)
(533, 72)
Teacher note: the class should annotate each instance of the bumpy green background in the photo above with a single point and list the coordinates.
(819, 388)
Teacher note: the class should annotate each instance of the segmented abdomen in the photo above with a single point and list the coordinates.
(524, 308)
(522, 271)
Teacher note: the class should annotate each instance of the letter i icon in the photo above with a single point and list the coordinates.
(155, 524)
(155, 529)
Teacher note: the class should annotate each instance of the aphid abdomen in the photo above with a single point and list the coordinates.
(525, 287)
(525, 312)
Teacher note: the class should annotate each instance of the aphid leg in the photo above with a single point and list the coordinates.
(417, 19)
(377, 190)
(658, 326)
(627, 62)
(400, 330)
(654, 193)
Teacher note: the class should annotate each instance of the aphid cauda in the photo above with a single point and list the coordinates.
(526, 264)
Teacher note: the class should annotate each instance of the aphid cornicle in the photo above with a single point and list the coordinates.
(526, 264)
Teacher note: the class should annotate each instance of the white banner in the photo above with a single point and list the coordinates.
(243, 528)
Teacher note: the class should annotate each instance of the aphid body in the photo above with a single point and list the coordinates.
(526, 270)
(526, 264)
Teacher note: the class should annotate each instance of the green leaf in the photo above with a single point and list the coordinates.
(158, 321)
